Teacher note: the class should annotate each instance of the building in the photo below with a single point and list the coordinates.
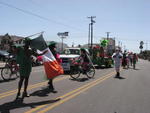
(7, 40)
(59, 46)
(110, 48)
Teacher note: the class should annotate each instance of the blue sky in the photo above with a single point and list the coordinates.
(127, 20)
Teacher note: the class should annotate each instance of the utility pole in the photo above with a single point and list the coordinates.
(124, 48)
(72, 44)
(121, 45)
(118, 43)
(107, 35)
(107, 39)
(91, 28)
(89, 34)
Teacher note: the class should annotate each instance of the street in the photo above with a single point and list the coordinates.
(101, 94)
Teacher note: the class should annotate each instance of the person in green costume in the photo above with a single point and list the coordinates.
(23, 58)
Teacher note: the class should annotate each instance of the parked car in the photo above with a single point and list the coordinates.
(3, 55)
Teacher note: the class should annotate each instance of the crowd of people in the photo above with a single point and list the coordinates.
(125, 59)
(23, 58)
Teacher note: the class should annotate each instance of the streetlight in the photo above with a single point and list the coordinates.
(62, 35)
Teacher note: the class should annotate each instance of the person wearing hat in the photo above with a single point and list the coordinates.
(117, 56)
(52, 47)
(23, 58)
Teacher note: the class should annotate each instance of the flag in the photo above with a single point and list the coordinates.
(38, 43)
(51, 66)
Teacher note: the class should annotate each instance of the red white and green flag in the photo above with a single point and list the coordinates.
(51, 66)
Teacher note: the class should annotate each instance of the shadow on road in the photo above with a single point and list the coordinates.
(131, 68)
(43, 92)
(101, 67)
(80, 79)
(5, 108)
(136, 69)
(120, 77)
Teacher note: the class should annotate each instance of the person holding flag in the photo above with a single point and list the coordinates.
(50, 59)
(23, 58)
(52, 47)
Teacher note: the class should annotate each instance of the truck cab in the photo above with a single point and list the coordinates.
(69, 54)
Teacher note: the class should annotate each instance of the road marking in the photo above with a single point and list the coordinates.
(72, 94)
(5, 94)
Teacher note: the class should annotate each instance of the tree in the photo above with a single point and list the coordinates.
(141, 45)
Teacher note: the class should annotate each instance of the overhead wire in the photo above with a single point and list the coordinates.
(36, 15)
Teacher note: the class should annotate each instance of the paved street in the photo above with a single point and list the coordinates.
(103, 94)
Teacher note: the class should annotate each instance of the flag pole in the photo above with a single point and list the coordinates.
(35, 34)
(32, 35)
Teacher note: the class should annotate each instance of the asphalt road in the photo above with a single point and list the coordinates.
(102, 94)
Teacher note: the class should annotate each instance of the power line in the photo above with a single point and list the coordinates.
(36, 15)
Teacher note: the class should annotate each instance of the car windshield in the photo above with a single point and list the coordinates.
(5, 53)
(72, 51)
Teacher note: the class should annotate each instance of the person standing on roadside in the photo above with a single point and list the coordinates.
(117, 56)
(23, 58)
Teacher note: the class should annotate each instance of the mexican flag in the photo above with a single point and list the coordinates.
(51, 66)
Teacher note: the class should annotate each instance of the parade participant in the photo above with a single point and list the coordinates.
(117, 56)
(135, 59)
(128, 60)
(52, 47)
(124, 60)
(84, 59)
(131, 58)
(23, 58)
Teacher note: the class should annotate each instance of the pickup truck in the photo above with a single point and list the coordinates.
(68, 56)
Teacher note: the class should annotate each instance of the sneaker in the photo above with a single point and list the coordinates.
(51, 87)
(54, 91)
(117, 75)
(18, 94)
(25, 94)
